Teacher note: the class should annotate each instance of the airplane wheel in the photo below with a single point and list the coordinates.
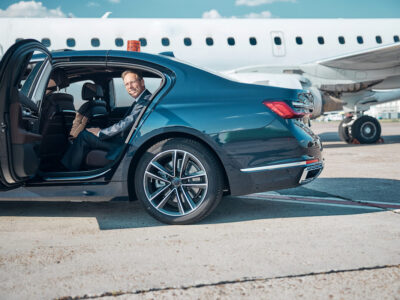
(366, 130)
(344, 133)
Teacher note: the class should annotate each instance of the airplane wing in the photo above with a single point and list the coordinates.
(372, 59)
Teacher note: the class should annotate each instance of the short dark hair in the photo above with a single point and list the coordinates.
(138, 73)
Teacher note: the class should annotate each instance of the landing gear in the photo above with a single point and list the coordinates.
(344, 133)
(364, 129)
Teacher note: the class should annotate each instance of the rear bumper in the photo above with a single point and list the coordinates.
(276, 177)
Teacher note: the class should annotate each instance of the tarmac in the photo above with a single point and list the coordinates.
(337, 237)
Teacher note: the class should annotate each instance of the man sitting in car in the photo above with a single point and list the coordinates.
(109, 139)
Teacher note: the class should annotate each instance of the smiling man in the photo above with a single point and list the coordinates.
(109, 139)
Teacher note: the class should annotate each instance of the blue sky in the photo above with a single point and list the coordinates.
(205, 8)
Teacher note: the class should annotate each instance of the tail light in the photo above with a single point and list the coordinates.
(283, 110)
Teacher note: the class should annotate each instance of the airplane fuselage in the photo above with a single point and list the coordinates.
(219, 44)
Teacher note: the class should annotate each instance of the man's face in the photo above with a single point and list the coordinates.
(133, 85)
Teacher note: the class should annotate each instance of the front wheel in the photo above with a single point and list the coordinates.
(179, 181)
(344, 133)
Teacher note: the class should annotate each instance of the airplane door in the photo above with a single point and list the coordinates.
(278, 43)
(21, 80)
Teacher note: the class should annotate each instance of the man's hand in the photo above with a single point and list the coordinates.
(94, 130)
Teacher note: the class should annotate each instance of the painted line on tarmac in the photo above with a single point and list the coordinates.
(327, 201)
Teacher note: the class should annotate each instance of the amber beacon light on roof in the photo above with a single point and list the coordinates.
(133, 46)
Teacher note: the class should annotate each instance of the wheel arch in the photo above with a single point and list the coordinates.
(167, 135)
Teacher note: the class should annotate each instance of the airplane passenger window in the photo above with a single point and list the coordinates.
(299, 40)
(143, 42)
(360, 39)
(231, 41)
(321, 40)
(119, 42)
(95, 42)
(341, 40)
(253, 41)
(187, 41)
(277, 41)
(46, 42)
(71, 42)
(396, 38)
(209, 41)
(378, 39)
(165, 41)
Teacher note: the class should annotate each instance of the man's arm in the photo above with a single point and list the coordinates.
(124, 123)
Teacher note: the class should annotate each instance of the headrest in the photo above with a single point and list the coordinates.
(91, 91)
(62, 100)
(60, 77)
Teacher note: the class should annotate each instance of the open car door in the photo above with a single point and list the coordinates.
(22, 85)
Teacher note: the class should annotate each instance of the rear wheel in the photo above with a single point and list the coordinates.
(366, 130)
(179, 181)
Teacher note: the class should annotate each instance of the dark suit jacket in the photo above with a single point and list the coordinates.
(116, 133)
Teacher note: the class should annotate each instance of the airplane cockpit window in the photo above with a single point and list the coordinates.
(360, 39)
(71, 42)
(119, 42)
(231, 41)
(341, 40)
(165, 41)
(46, 42)
(143, 42)
(277, 41)
(187, 41)
(209, 41)
(378, 39)
(299, 40)
(396, 38)
(95, 42)
(18, 39)
(253, 41)
(321, 40)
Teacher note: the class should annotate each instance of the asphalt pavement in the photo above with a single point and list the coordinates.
(337, 237)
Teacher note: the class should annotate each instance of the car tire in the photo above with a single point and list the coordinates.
(366, 130)
(179, 181)
(344, 133)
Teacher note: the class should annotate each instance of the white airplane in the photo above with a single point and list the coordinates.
(347, 64)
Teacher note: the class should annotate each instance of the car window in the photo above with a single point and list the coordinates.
(75, 89)
(122, 98)
(33, 79)
(29, 76)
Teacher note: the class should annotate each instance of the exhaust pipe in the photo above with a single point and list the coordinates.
(310, 173)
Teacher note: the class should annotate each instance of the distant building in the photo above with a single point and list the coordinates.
(389, 110)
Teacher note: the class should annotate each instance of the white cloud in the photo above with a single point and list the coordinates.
(263, 14)
(211, 14)
(92, 4)
(259, 2)
(114, 1)
(31, 9)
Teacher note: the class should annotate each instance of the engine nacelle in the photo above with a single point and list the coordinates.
(324, 102)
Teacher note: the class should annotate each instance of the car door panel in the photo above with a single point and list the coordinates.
(19, 135)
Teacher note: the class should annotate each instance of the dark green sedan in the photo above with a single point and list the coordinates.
(201, 136)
